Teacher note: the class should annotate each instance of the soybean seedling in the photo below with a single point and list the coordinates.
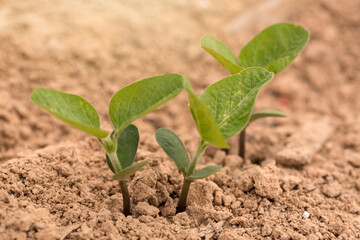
(220, 112)
(128, 104)
(273, 49)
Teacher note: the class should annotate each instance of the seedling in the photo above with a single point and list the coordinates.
(273, 49)
(220, 112)
(128, 104)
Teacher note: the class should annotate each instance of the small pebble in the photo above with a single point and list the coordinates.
(306, 214)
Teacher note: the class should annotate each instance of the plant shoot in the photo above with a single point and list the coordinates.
(128, 104)
(273, 49)
(221, 111)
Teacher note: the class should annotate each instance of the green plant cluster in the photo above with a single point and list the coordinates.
(224, 109)
(273, 49)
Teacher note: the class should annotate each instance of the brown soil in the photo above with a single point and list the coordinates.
(54, 183)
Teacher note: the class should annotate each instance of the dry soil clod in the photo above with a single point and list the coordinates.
(304, 143)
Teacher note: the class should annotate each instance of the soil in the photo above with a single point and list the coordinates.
(54, 183)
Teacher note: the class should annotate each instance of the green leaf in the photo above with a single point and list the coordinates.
(188, 88)
(205, 123)
(108, 161)
(173, 147)
(186, 83)
(139, 98)
(275, 47)
(221, 53)
(232, 99)
(204, 172)
(265, 113)
(127, 172)
(71, 109)
(127, 145)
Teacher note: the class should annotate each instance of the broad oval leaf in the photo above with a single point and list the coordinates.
(232, 99)
(139, 98)
(265, 113)
(221, 53)
(204, 172)
(127, 145)
(275, 47)
(173, 147)
(71, 109)
(205, 123)
(127, 172)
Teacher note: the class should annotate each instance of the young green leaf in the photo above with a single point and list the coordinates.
(127, 145)
(205, 123)
(265, 113)
(173, 147)
(204, 172)
(186, 83)
(188, 88)
(127, 172)
(221, 53)
(141, 97)
(232, 99)
(108, 161)
(71, 109)
(275, 47)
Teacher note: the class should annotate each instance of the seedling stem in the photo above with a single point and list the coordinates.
(186, 185)
(199, 151)
(126, 198)
(108, 144)
(111, 144)
(183, 196)
(114, 161)
(242, 140)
